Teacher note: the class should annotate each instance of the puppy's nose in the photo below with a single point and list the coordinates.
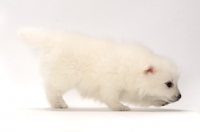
(179, 96)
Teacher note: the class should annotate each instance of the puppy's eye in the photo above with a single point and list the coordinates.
(169, 84)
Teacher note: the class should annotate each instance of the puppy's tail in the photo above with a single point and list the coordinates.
(38, 38)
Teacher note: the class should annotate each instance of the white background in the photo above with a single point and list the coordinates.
(169, 27)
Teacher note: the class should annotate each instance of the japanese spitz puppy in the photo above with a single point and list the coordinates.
(105, 70)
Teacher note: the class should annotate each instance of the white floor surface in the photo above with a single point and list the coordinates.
(26, 110)
(100, 120)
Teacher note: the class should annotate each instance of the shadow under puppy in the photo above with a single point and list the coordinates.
(105, 70)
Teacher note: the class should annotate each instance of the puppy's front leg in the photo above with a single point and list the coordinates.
(111, 99)
(117, 106)
(55, 98)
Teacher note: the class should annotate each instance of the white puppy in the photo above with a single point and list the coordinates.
(105, 70)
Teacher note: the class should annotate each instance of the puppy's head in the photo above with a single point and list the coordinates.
(158, 83)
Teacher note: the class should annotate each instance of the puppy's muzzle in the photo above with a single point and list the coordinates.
(176, 98)
(179, 96)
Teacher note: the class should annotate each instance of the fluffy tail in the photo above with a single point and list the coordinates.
(37, 37)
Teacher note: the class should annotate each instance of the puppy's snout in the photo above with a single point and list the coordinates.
(179, 96)
(176, 97)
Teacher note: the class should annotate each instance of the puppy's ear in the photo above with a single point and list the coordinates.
(149, 69)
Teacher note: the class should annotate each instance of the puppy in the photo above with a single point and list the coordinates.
(105, 70)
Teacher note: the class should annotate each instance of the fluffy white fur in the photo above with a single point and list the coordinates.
(105, 70)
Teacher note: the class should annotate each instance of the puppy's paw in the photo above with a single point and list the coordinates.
(60, 105)
(57, 102)
(121, 108)
(125, 108)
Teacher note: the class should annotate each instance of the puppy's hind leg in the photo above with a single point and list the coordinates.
(55, 98)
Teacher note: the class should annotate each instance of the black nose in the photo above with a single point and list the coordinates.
(179, 96)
